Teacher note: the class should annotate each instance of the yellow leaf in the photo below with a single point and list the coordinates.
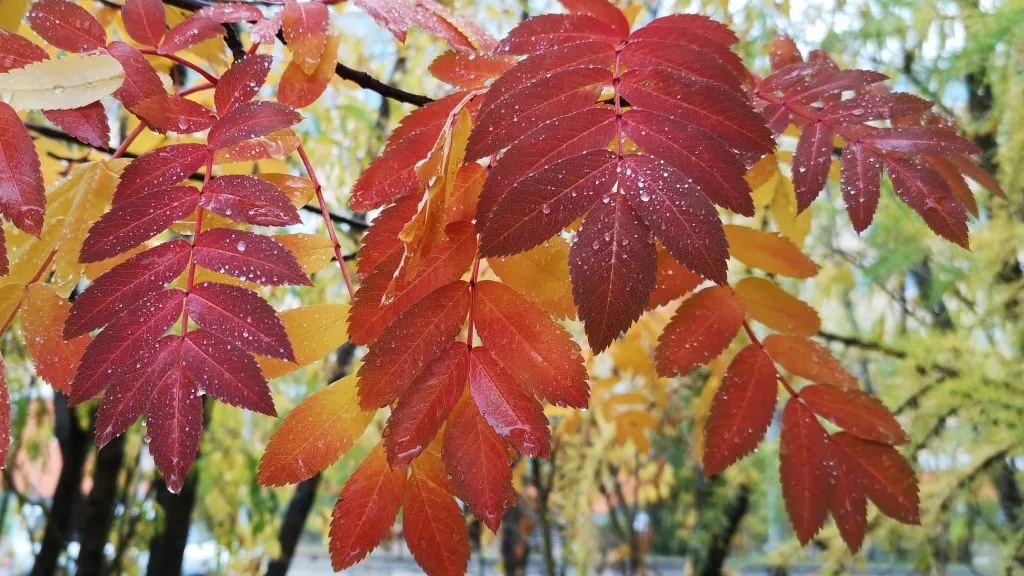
(314, 331)
(763, 193)
(777, 309)
(313, 251)
(314, 435)
(542, 275)
(30, 257)
(784, 210)
(10, 300)
(632, 11)
(703, 406)
(769, 252)
(11, 13)
(70, 82)
(299, 190)
(764, 170)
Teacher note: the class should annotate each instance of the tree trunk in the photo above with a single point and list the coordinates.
(294, 521)
(74, 447)
(718, 551)
(544, 512)
(99, 514)
(515, 544)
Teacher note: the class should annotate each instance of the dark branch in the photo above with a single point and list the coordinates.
(368, 82)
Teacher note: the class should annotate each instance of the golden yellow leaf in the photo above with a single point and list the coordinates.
(11, 13)
(313, 251)
(299, 190)
(29, 256)
(69, 82)
(10, 300)
(777, 309)
(314, 331)
(784, 210)
(768, 251)
(542, 275)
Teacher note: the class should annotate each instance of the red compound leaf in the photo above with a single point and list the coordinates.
(507, 407)
(249, 200)
(701, 329)
(66, 25)
(248, 256)
(242, 316)
(134, 221)
(806, 469)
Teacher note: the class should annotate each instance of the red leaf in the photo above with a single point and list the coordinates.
(381, 241)
(144, 20)
(141, 81)
(512, 411)
(681, 217)
(172, 113)
(784, 52)
(549, 31)
(924, 190)
(860, 175)
(540, 205)
(855, 411)
(957, 184)
(805, 468)
(723, 112)
(613, 267)
(778, 118)
(702, 328)
(22, 194)
(932, 140)
(124, 285)
(970, 169)
(602, 10)
(870, 107)
(540, 354)
(248, 256)
(795, 74)
(656, 52)
(468, 70)
(834, 83)
(226, 372)
(674, 280)
(694, 23)
(741, 410)
(231, 13)
(207, 24)
(66, 25)
(477, 462)
(673, 41)
(366, 509)
(251, 120)
(425, 405)
(241, 82)
(249, 200)
(884, 474)
(88, 124)
(128, 397)
(432, 521)
(392, 175)
(391, 14)
(242, 316)
(847, 502)
(175, 421)
(159, 168)
(134, 221)
(17, 52)
(460, 33)
(560, 139)
(128, 337)
(404, 348)
(305, 30)
(811, 163)
(370, 314)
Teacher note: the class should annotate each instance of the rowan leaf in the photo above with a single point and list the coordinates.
(741, 410)
(175, 422)
(129, 396)
(366, 509)
(847, 502)
(42, 321)
(931, 140)
(884, 474)
(66, 25)
(300, 88)
(314, 332)
(809, 360)
(70, 82)
(432, 520)
(241, 82)
(305, 28)
(507, 407)
(18, 51)
(768, 251)
(249, 200)
(145, 21)
(314, 435)
(241, 316)
(811, 163)
(277, 144)
(86, 123)
(251, 120)
(870, 107)
(550, 31)
(22, 194)
(132, 222)
(313, 251)
(855, 411)
(702, 328)
(206, 24)
(777, 309)
(925, 191)
(470, 70)
(175, 114)
(247, 256)
(381, 241)
(860, 175)
(806, 469)
(674, 280)
(160, 168)
(141, 81)
(542, 275)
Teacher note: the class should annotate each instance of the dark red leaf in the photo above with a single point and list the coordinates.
(848, 503)
(172, 113)
(811, 163)
(249, 200)
(66, 25)
(425, 405)
(677, 214)
(957, 184)
(805, 468)
(241, 82)
(242, 316)
(655, 53)
(404, 348)
(741, 410)
(124, 285)
(141, 81)
(226, 372)
(932, 140)
(145, 21)
(159, 168)
(860, 176)
(542, 204)
(251, 120)
(88, 124)
(248, 256)
(549, 31)
(691, 23)
(870, 107)
(970, 169)
(700, 37)
(17, 52)
(613, 266)
(884, 474)
(22, 194)
(702, 328)
(381, 241)
(134, 221)
(512, 411)
(602, 10)
(796, 74)
(477, 461)
(128, 337)
(924, 190)
(834, 83)
(778, 118)
(855, 411)
(128, 397)
(175, 422)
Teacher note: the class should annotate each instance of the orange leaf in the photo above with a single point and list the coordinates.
(741, 411)
(539, 352)
(468, 70)
(808, 359)
(277, 144)
(299, 89)
(768, 251)
(886, 476)
(468, 183)
(42, 325)
(777, 309)
(366, 509)
(805, 468)
(512, 411)
(542, 275)
(847, 502)
(477, 461)
(299, 190)
(674, 280)
(381, 241)
(434, 527)
(314, 435)
(701, 329)
(855, 411)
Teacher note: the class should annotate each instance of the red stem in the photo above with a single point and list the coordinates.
(175, 58)
(753, 338)
(198, 230)
(618, 103)
(472, 302)
(327, 221)
(811, 114)
(197, 88)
